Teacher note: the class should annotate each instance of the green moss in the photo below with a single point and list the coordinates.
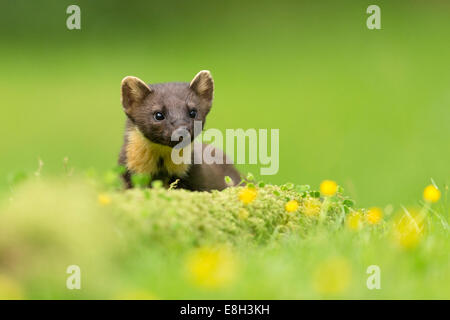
(136, 242)
(180, 217)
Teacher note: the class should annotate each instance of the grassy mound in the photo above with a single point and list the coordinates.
(258, 241)
(180, 217)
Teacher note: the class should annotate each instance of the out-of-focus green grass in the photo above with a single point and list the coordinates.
(369, 109)
(160, 244)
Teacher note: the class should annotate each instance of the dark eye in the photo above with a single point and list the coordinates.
(193, 113)
(158, 116)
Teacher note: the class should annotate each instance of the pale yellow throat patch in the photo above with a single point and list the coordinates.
(143, 156)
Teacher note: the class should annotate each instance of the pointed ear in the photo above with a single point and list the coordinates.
(203, 85)
(134, 91)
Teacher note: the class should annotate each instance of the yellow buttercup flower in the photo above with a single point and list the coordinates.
(332, 276)
(104, 199)
(211, 267)
(408, 230)
(247, 195)
(431, 194)
(311, 206)
(291, 206)
(354, 220)
(374, 215)
(328, 187)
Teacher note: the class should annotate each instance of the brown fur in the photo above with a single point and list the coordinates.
(147, 145)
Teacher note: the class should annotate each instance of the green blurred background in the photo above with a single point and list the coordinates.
(367, 108)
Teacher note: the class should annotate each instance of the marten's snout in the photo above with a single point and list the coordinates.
(181, 137)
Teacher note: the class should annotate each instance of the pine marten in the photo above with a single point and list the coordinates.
(154, 113)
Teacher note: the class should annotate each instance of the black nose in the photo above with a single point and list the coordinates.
(181, 134)
(181, 131)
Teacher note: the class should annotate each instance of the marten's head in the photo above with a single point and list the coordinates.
(161, 110)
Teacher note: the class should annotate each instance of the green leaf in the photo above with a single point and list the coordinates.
(289, 186)
(140, 180)
(157, 184)
(120, 169)
(302, 188)
(348, 203)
